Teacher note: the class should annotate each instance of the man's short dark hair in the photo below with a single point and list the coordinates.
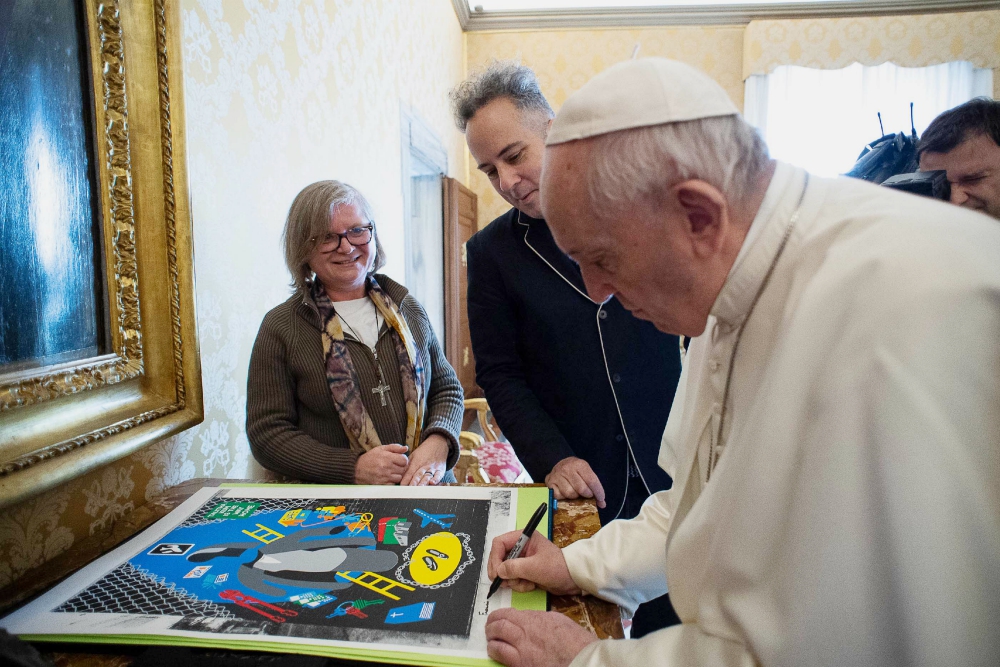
(980, 115)
(501, 78)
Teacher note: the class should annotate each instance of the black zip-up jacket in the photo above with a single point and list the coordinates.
(537, 340)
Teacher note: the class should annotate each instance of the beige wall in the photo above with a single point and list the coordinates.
(278, 95)
(565, 59)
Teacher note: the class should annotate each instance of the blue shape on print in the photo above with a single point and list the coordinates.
(341, 609)
(427, 517)
(286, 564)
(411, 613)
(216, 581)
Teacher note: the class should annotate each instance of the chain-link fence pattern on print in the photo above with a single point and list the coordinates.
(407, 555)
(132, 590)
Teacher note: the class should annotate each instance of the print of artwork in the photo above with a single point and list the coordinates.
(285, 560)
(403, 570)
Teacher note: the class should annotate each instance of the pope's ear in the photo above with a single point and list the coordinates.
(705, 211)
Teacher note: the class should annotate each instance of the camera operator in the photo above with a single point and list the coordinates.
(965, 142)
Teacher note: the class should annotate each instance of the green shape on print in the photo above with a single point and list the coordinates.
(233, 509)
(311, 600)
(361, 604)
(390, 531)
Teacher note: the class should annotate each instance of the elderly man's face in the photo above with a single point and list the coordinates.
(974, 173)
(507, 145)
(649, 256)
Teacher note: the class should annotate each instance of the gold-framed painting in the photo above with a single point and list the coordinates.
(99, 352)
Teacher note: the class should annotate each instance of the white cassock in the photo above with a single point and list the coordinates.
(853, 516)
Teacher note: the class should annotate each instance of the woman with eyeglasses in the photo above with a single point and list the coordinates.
(348, 383)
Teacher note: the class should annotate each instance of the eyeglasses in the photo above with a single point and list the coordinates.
(356, 236)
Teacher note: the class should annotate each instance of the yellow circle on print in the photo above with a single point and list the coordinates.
(435, 558)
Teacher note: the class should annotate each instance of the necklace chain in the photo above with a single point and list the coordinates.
(713, 457)
(354, 333)
(382, 388)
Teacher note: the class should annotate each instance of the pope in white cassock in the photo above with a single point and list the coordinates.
(835, 440)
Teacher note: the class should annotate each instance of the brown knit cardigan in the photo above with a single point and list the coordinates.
(292, 424)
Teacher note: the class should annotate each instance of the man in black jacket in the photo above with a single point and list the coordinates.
(581, 389)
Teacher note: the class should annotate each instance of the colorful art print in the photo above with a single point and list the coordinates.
(311, 600)
(170, 549)
(233, 509)
(198, 572)
(320, 574)
(271, 565)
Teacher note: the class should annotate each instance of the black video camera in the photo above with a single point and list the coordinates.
(892, 160)
(932, 184)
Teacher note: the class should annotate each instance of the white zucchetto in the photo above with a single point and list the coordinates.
(639, 93)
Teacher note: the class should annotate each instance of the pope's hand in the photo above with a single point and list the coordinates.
(528, 638)
(384, 464)
(573, 478)
(541, 563)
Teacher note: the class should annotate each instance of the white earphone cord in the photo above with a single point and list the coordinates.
(604, 355)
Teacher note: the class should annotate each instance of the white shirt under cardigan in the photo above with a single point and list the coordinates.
(853, 517)
(359, 317)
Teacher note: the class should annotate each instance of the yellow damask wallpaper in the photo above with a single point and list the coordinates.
(278, 95)
(565, 59)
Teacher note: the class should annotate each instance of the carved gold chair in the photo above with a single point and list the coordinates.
(485, 459)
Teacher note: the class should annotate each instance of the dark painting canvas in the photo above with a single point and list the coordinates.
(51, 297)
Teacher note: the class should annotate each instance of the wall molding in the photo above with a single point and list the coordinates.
(636, 17)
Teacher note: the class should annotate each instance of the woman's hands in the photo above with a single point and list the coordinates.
(427, 464)
(381, 465)
(388, 464)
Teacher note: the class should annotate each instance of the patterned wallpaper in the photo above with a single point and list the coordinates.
(277, 95)
(565, 59)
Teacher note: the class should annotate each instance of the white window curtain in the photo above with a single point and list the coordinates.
(821, 119)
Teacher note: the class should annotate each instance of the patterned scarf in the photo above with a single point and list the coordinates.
(343, 380)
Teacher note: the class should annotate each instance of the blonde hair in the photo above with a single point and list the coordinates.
(309, 219)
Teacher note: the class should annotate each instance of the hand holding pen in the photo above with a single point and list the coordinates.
(522, 542)
(540, 563)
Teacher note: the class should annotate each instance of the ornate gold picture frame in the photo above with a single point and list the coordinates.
(58, 422)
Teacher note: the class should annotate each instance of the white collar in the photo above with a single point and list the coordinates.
(761, 245)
